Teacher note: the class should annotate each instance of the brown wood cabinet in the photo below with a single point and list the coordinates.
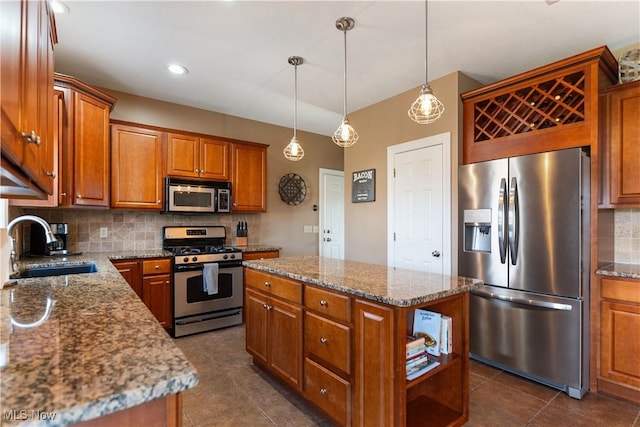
(28, 37)
(130, 270)
(194, 156)
(273, 318)
(249, 177)
(151, 279)
(619, 368)
(136, 167)
(52, 199)
(85, 161)
(354, 353)
(548, 108)
(260, 255)
(620, 171)
(156, 288)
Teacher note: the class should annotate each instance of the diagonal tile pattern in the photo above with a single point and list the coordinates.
(233, 393)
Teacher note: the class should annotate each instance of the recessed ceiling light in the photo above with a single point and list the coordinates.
(58, 7)
(177, 69)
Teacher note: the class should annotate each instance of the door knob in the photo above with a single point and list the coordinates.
(436, 253)
(328, 239)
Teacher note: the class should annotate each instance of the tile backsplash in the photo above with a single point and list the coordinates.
(627, 236)
(129, 230)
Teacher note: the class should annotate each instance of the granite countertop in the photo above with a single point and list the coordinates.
(82, 346)
(628, 271)
(399, 287)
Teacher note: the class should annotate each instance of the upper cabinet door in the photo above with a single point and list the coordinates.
(214, 159)
(91, 156)
(11, 25)
(624, 145)
(28, 36)
(249, 177)
(182, 155)
(136, 168)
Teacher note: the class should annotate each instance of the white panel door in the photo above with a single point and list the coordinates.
(332, 213)
(418, 209)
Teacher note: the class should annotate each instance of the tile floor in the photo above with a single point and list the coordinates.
(232, 392)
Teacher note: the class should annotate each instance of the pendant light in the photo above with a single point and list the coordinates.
(345, 135)
(293, 151)
(426, 108)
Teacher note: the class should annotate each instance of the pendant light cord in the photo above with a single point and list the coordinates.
(295, 101)
(426, 39)
(344, 105)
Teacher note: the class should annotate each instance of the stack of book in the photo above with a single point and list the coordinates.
(436, 329)
(418, 361)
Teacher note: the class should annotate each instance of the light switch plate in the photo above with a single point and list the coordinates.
(104, 232)
(315, 229)
(308, 229)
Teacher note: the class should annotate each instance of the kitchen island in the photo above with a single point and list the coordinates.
(83, 348)
(335, 332)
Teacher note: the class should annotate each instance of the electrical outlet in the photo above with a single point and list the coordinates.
(104, 232)
(307, 229)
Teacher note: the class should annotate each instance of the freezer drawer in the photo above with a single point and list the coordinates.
(533, 335)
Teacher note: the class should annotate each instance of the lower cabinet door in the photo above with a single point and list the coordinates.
(156, 294)
(329, 391)
(255, 306)
(285, 341)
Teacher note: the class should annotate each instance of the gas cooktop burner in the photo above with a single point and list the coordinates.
(203, 250)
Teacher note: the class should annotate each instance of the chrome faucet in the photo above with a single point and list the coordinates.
(47, 231)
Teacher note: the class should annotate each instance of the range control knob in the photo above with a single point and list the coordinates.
(194, 259)
(185, 259)
(225, 256)
(233, 256)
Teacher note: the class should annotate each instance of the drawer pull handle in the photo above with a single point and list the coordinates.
(323, 303)
(267, 306)
(267, 284)
(323, 391)
(157, 267)
(323, 340)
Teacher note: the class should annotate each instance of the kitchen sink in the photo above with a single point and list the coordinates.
(59, 270)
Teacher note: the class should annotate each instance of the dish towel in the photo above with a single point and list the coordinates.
(210, 278)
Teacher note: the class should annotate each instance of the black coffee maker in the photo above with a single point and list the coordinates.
(39, 242)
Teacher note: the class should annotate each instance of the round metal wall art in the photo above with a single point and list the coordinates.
(292, 189)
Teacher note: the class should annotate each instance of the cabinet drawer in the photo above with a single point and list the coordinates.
(328, 303)
(274, 285)
(328, 391)
(328, 341)
(621, 289)
(156, 266)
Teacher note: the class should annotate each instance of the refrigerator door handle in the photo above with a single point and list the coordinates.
(513, 220)
(532, 302)
(502, 207)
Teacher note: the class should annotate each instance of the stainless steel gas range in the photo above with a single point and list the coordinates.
(207, 279)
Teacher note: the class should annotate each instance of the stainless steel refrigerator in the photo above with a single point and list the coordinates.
(525, 233)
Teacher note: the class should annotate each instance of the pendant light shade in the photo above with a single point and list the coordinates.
(345, 135)
(293, 151)
(426, 108)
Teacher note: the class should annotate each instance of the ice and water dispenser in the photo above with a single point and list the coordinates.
(477, 230)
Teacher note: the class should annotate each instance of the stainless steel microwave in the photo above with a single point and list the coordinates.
(191, 196)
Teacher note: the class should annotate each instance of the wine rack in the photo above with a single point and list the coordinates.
(549, 108)
(552, 103)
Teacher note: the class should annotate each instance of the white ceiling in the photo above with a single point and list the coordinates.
(237, 51)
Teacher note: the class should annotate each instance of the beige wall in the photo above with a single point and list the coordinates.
(385, 124)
